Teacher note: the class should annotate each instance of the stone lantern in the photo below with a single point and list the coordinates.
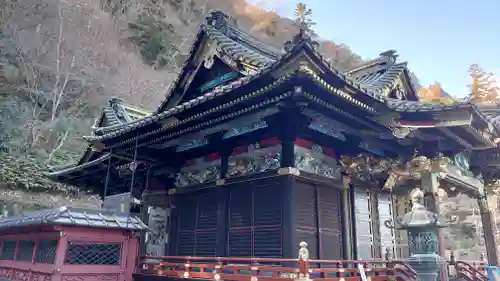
(422, 226)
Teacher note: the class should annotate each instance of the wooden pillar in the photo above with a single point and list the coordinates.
(223, 201)
(430, 184)
(348, 219)
(489, 235)
(144, 215)
(290, 236)
(288, 123)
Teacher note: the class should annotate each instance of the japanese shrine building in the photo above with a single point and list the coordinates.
(255, 149)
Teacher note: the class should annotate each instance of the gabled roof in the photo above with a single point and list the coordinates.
(491, 113)
(232, 46)
(382, 73)
(295, 46)
(116, 114)
(96, 218)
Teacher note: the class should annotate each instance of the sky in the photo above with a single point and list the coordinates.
(438, 38)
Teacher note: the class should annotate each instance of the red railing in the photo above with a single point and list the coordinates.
(273, 269)
(468, 270)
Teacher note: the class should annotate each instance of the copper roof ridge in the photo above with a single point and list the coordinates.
(242, 36)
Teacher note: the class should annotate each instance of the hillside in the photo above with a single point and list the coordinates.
(60, 61)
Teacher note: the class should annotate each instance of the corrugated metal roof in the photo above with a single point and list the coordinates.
(95, 218)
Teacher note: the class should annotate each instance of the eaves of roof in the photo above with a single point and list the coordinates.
(491, 113)
(64, 170)
(415, 106)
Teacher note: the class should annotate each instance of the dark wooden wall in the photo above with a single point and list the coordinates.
(259, 218)
(241, 220)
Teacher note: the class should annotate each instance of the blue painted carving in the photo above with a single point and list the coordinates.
(192, 144)
(327, 129)
(245, 129)
(461, 161)
(316, 162)
(201, 172)
(328, 126)
(368, 147)
(256, 160)
(217, 81)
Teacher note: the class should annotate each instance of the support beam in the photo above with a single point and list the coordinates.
(348, 226)
(430, 184)
(489, 235)
(288, 124)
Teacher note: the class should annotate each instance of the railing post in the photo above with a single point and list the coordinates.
(387, 255)
(303, 262)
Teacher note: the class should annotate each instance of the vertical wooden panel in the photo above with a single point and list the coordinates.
(255, 217)
(222, 221)
(307, 218)
(387, 235)
(364, 228)
(187, 213)
(206, 228)
(240, 221)
(267, 221)
(330, 223)
(400, 207)
(197, 223)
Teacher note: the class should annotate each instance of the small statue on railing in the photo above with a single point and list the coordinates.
(303, 262)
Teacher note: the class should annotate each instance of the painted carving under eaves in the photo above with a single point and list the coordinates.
(327, 126)
(255, 158)
(199, 171)
(237, 131)
(366, 167)
(315, 159)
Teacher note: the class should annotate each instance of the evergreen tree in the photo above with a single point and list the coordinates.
(303, 17)
(482, 88)
(155, 39)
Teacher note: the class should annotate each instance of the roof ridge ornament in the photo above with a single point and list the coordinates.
(389, 56)
(116, 105)
(301, 38)
(114, 100)
(217, 19)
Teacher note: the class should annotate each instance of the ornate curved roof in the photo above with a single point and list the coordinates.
(372, 90)
(115, 115)
(491, 113)
(229, 41)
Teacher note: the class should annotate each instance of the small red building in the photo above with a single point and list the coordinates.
(70, 244)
